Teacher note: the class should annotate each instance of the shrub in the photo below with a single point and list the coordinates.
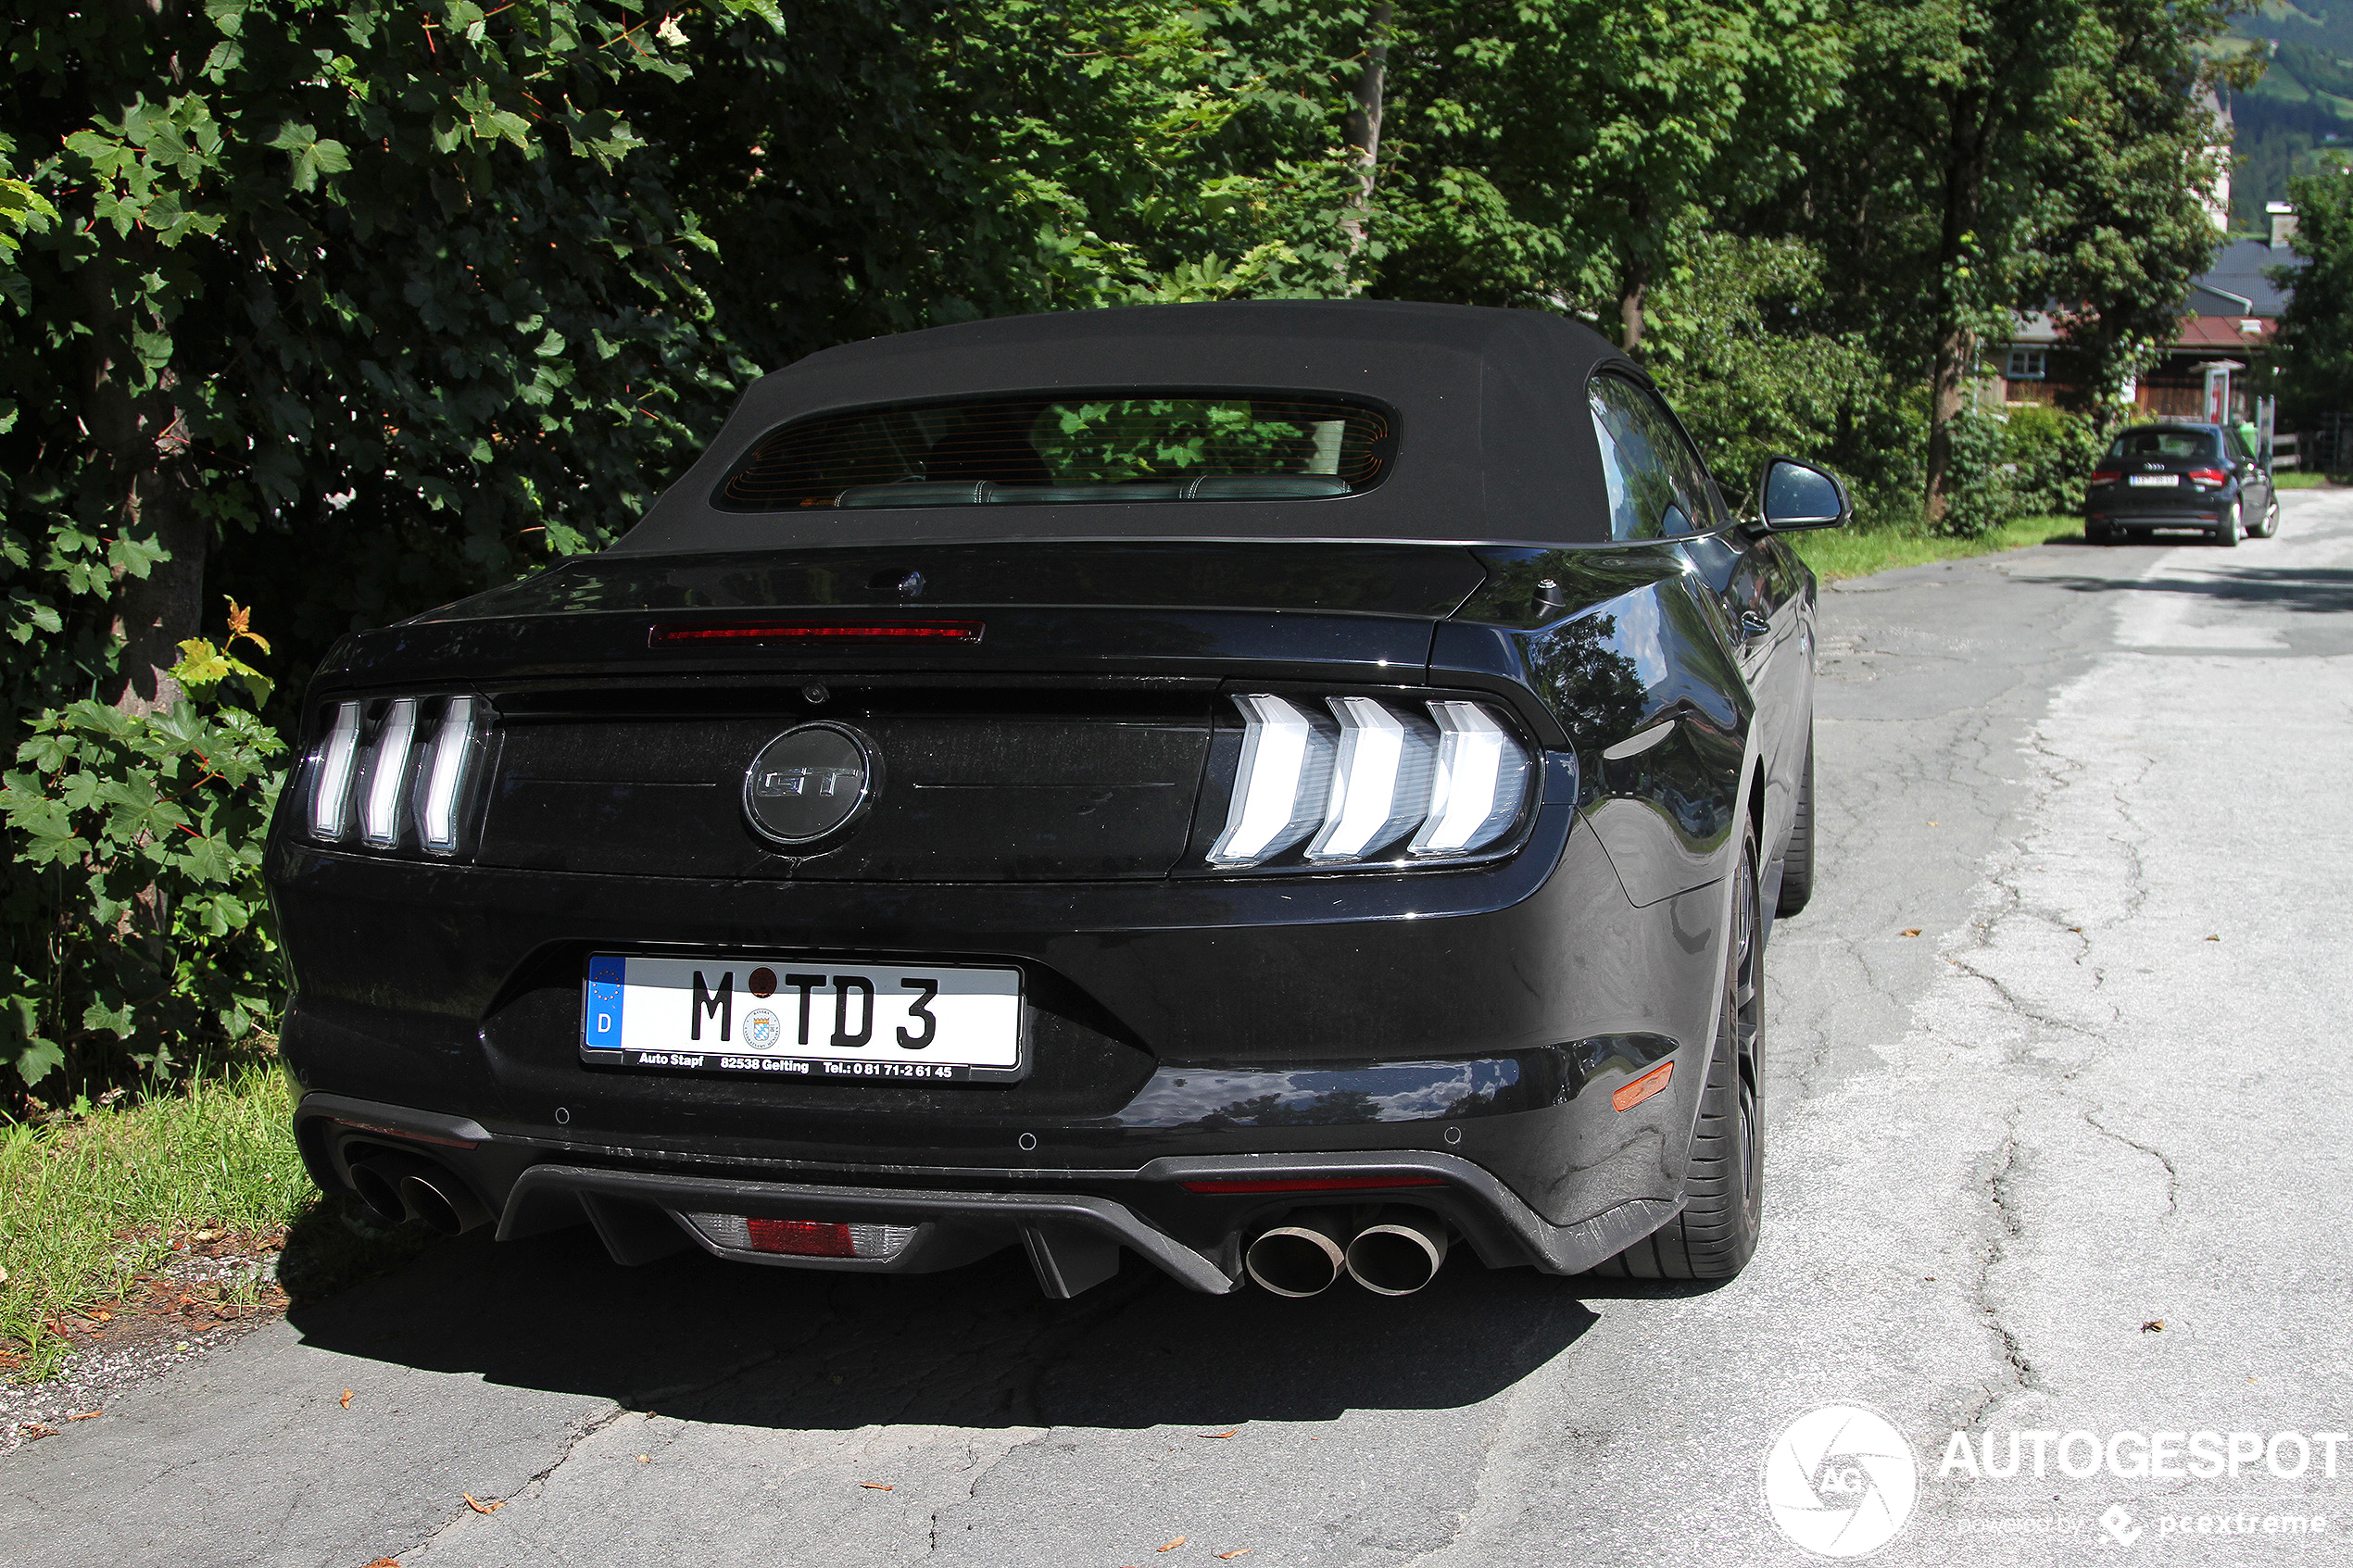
(136, 930)
(2053, 452)
(1980, 496)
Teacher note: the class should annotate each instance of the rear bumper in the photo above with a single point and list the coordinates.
(2162, 511)
(1486, 1015)
(1072, 1228)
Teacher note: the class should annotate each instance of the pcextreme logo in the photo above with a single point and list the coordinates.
(1840, 1481)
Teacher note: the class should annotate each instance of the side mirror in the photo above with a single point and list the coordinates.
(1794, 494)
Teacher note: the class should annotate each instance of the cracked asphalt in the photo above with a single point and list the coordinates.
(2073, 1158)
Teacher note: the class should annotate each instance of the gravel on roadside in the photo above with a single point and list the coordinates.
(205, 1298)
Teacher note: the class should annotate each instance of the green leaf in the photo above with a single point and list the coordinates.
(38, 1060)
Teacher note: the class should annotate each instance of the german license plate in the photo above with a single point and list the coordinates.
(803, 1018)
(2153, 482)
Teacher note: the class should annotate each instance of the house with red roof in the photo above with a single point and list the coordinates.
(2227, 318)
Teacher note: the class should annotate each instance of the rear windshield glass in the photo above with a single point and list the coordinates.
(1128, 446)
(2165, 443)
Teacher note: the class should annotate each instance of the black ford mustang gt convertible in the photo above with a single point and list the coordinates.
(1281, 789)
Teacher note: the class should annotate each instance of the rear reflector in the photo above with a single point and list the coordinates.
(1315, 1184)
(801, 1238)
(689, 634)
(1643, 1088)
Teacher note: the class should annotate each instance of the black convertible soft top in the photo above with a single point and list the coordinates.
(1495, 445)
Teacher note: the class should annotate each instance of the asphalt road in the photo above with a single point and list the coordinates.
(2103, 1088)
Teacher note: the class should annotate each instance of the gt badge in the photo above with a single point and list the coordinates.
(809, 782)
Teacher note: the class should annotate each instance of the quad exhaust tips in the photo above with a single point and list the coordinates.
(1397, 1254)
(403, 1186)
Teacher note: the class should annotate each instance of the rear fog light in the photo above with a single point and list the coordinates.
(801, 1238)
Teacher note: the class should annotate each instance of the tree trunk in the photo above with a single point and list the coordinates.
(1361, 126)
(1969, 133)
(1955, 349)
(1634, 279)
(142, 437)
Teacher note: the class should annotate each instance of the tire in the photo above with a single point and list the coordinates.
(2226, 532)
(1716, 1234)
(1797, 859)
(2098, 534)
(2270, 526)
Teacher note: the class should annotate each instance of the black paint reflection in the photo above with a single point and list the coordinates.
(1216, 1099)
(1364, 578)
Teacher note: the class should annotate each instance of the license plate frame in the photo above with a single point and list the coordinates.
(978, 1012)
(2153, 482)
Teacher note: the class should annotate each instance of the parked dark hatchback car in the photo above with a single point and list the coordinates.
(2181, 475)
(1280, 789)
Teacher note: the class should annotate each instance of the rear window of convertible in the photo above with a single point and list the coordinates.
(1066, 448)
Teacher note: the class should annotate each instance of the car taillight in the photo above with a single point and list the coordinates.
(404, 768)
(388, 775)
(2209, 476)
(1380, 779)
(448, 769)
(331, 775)
(2106, 476)
(1309, 1184)
(1284, 779)
(1361, 776)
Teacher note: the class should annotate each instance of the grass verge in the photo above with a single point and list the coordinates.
(91, 1205)
(1835, 552)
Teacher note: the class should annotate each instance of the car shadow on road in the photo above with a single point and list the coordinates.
(694, 1337)
(2315, 590)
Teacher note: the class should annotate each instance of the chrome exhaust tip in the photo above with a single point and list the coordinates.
(1300, 1258)
(1399, 1253)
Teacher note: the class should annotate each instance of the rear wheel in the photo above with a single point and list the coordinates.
(2225, 531)
(1716, 1234)
(1797, 859)
(2098, 534)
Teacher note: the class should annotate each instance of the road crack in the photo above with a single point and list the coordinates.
(2172, 1176)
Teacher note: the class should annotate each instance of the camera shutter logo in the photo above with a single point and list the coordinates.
(1840, 1481)
(809, 782)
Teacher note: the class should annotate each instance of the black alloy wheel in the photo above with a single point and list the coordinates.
(1716, 1234)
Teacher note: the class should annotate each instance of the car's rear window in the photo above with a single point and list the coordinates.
(2162, 443)
(1067, 447)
